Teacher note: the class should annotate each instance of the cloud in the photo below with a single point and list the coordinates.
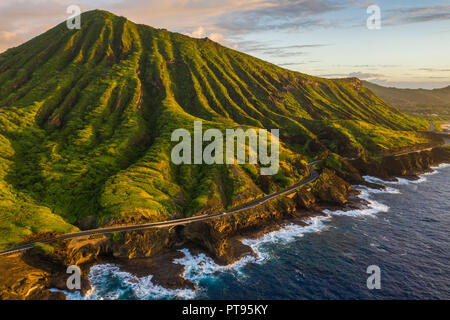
(412, 84)
(200, 32)
(366, 75)
(285, 51)
(367, 66)
(288, 64)
(217, 37)
(7, 35)
(28, 18)
(181, 15)
(22, 20)
(358, 74)
(402, 16)
(221, 20)
(282, 54)
(259, 46)
(434, 70)
(281, 15)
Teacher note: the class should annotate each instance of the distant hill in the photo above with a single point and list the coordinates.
(415, 101)
(86, 118)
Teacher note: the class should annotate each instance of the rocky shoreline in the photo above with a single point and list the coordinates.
(32, 274)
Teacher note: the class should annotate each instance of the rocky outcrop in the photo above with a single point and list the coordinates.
(30, 275)
(44, 267)
(37, 270)
(65, 253)
(339, 142)
(141, 244)
(20, 281)
(329, 188)
(304, 198)
(409, 164)
(218, 236)
(342, 167)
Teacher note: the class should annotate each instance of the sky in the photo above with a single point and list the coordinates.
(328, 38)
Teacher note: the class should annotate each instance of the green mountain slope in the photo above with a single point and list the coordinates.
(86, 117)
(415, 101)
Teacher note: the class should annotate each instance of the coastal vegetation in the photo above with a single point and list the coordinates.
(426, 103)
(86, 118)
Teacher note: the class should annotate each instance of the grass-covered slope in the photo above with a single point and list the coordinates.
(86, 117)
(415, 101)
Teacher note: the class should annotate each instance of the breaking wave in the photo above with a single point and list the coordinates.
(441, 166)
(399, 181)
(200, 266)
(403, 181)
(372, 206)
(108, 282)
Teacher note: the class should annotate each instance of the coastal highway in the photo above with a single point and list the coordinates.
(445, 135)
(313, 175)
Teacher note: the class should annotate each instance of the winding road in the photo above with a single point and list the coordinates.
(313, 175)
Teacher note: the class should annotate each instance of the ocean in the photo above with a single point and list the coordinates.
(404, 231)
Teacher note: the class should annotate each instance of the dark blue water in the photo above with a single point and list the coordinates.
(405, 232)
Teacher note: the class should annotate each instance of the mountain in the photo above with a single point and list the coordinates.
(415, 101)
(86, 118)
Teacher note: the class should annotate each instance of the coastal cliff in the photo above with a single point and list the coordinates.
(408, 164)
(38, 269)
(86, 122)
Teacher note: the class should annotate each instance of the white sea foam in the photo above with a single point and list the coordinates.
(374, 179)
(441, 166)
(400, 181)
(197, 267)
(200, 266)
(436, 169)
(404, 181)
(289, 232)
(108, 282)
(373, 206)
(372, 190)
